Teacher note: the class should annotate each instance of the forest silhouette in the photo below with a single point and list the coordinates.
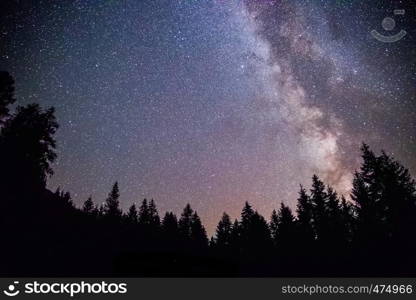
(44, 234)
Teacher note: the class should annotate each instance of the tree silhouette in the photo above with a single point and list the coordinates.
(112, 204)
(384, 197)
(223, 233)
(6, 94)
(144, 217)
(88, 206)
(198, 234)
(319, 209)
(27, 148)
(274, 225)
(286, 228)
(154, 219)
(304, 210)
(170, 225)
(132, 215)
(185, 222)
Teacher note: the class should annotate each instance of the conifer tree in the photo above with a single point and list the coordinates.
(198, 234)
(6, 94)
(132, 215)
(286, 228)
(185, 222)
(304, 210)
(27, 149)
(170, 225)
(144, 216)
(112, 204)
(88, 205)
(154, 219)
(274, 224)
(223, 232)
(319, 208)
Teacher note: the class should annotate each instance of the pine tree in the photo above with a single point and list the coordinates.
(154, 219)
(347, 215)
(223, 232)
(132, 216)
(6, 94)
(27, 150)
(198, 234)
(304, 210)
(185, 222)
(88, 205)
(101, 211)
(384, 196)
(235, 239)
(67, 200)
(286, 228)
(335, 231)
(246, 215)
(112, 204)
(274, 224)
(144, 216)
(170, 225)
(320, 217)
(258, 234)
(366, 187)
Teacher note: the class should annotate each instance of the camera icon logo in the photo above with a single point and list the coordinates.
(389, 24)
(11, 290)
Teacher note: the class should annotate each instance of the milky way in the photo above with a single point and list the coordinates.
(214, 102)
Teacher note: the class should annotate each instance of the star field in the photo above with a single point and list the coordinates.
(213, 102)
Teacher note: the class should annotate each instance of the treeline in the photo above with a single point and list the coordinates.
(43, 233)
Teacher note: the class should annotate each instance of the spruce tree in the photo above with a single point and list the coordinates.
(144, 216)
(274, 224)
(170, 225)
(185, 222)
(6, 94)
(319, 209)
(198, 234)
(286, 228)
(112, 204)
(27, 150)
(304, 210)
(154, 219)
(88, 205)
(223, 232)
(132, 215)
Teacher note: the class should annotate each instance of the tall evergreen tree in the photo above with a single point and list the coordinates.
(235, 238)
(319, 208)
(170, 225)
(112, 204)
(185, 222)
(6, 94)
(274, 224)
(246, 215)
(27, 149)
(154, 219)
(132, 215)
(88, 205)
(198, 234)
(223, 233)
(304, 210)
(347, 215)
(384, 196)
(286, 228)
(144, 216)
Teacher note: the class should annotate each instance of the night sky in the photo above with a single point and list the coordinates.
(214, 102)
